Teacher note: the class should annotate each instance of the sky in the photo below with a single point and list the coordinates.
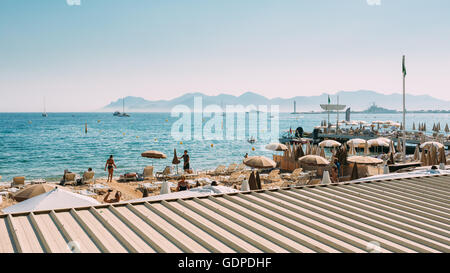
(82, 57)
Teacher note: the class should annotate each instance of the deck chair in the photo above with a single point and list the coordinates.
(273, 176)
(231, 169)
(18, 181)
(148, 172)
(88, 178)
(218, 171)
(165, 173)
(240, 168)
(235, 177)
(294, 175)
(69, 178)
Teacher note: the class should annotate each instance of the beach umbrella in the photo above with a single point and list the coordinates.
(414, 126)
(329, 143)
(424, 127)
(377, 143)
(364, 160)
(55, 199)
(153, 154)
(313, 160)
(258, 181)
(434, 155)
(427, 145)
(252, 182)
(446, 128)
(354, 175)
(276, 147)
(357, 142)
(385, 139)
(32, 191)
(417, 153)
(259, 162)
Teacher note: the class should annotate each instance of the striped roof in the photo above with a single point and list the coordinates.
(398, 215)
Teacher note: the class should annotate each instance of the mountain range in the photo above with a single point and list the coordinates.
(357, 100)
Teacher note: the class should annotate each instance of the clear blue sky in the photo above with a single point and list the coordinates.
(82, 57)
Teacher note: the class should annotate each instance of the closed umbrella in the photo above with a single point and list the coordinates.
(442, 157)
(399, 145)
(175, 159)
(391, 147)
(417, 153)
(259, 162)
(258, 181)
(32, 191)
(317, 150)
(423, 158)
(299, 153)
(414, 126)
(446, 128)
(322, 152)
(252, 182)
(391, 159)
(313, 160)
(429, 158)
(354, 175)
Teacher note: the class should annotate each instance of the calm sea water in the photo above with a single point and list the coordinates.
(38, 147)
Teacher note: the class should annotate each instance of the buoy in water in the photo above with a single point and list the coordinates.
(124, 133)
(253, 148)
(156, 140)
(137, 136)
(181, 142)
(212, 145)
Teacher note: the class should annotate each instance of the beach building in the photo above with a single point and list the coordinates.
(401, 214)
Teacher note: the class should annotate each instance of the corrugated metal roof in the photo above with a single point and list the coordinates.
(399, 215)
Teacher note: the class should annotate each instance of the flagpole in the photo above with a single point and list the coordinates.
(404, 111)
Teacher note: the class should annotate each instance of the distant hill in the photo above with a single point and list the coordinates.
(357, 100)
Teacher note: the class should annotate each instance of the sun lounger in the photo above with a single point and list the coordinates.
(240, 167)
(218, 171)
(69, 178)
(273, 176)
(235, 177)
(18, 181)
(294, 175)
(88, 178)
(231, 169)
(165, 173)
(148, 173)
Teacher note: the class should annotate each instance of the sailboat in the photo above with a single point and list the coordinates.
(123, 114)
(44, 114)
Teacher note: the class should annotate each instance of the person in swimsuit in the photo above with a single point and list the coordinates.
(110, 165)
(185, 157)
(182, 184)
(115, 200)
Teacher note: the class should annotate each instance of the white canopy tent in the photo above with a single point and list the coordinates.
(55, 199)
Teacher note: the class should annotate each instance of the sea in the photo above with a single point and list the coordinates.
(43, 147)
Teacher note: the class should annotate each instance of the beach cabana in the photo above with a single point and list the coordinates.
(32, 191)
(54, 199)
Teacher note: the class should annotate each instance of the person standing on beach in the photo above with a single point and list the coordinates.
(185, 158)
(110, 164)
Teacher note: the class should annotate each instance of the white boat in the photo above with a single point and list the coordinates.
(123, 114)
(44, 114)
